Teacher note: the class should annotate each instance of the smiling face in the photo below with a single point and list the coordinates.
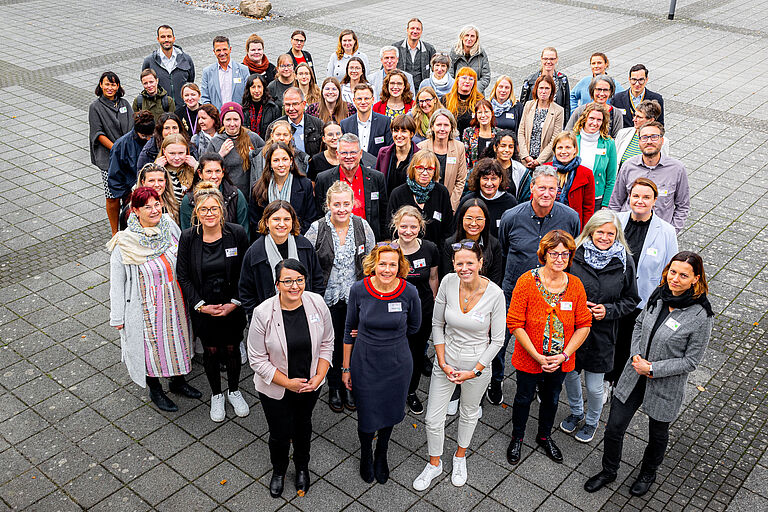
(474, 222)
(170, 126)
(191, 98)
(389, 60)
(484, 115)
(349, 155)
(424, 172)
(291, 294)
(426, 102)
(282, 133)
(222, 51)
(175, 154)
(347, 43)
(503, 90)
(303, 76)
(466, 265)
(293, 105)
(354, 70)
(565, 151)
(212, 172)
(285, 69)
(401, 137)
(548, 61)
(204, 121)
(506, 149)
(166, 38)
(604, 236)
(232, 123)
(414, 30)
(387, 267)
(602, 92)
(641, 200)
(640, 119)
(279, 225)
(469, 40)
(109, 89)
(598, 65)
(280, 163)
(149, 83)
(257, 90)
(340, 205)
(331, 93)
(489, 185)
(594, 122)
(156, 180)
(363, 99)
(556, 259)
(150, 214)
(396, 86)
(331, 136)
(442, 128)
(543, 192)
(256, 51)
(408, 228)
(439, 69)
(209, 213)
(680, 277)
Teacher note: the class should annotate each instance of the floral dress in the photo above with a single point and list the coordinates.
(538, 125)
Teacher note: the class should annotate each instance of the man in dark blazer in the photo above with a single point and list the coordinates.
(627, 101)
(369, 186)
(307, 130)
(372, 129)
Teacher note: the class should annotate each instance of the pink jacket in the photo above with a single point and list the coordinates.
(267, 348)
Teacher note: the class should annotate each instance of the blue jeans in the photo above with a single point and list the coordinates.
(594, 383)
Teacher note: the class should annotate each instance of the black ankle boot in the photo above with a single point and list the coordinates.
(380, 467)
(161, 400)
(276, 484)
(366, 465)
(180, 386)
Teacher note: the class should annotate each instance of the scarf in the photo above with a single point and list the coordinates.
(420, 193)
(569, 169)
(680, 301)
(257, 68)
(439, 83)
(599, 259)
(255, 117)
(139, 244)
(500, 108)
(273, 194)
(273, 254)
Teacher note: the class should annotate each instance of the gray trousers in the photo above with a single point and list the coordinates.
(440, 391)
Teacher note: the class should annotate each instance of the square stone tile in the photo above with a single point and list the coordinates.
(196, 459)
(104, 443)
(22, 425)
(228, 439)
(236, 480)
(123, 499)
(67, 464)
(167, 441)
(140, 422)
(189, 498)
(157, 484)
(26, 489)
(256, 498)
(92, 486)
(393, 495)
(81, 424)
(131, 462)
(12, 464)
(519, 494)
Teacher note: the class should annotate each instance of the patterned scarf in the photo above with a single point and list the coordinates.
(599, 259)
(420, 193)
(139, 244)
(500, 108)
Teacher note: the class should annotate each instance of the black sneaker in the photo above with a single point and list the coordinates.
(494, 393)
(414, 404)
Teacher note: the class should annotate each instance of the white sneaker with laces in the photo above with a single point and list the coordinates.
(425, 478)
(459, 472)
(218, 414)
(453, 407)
(238, 403)
(243, 353)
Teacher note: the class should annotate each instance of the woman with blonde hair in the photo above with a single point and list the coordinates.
(597, 150)
(468, 53)
(157, 177)
(347, 48)
(383, 310)
(442, 141)
(427, 101)
(210, 258)
(506, 108)
(177, 160)
(463, 98)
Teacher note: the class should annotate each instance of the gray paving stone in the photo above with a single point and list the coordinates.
(234, 481)
(157, 484)
(26, 489)
(188, 498)
(123, 499)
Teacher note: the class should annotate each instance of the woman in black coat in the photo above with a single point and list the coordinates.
(258, 108)
(280, 239)
(602, 261)
(208, 268)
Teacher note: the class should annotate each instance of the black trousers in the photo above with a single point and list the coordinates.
(550, 385)
(221, 338)
(618, 421)
(417, 342)
(338, 319)
(289, 419)
(623, 344)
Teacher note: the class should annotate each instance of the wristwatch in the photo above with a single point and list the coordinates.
(477, 372)
(567, 357)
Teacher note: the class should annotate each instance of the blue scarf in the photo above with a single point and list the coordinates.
(421, 193)
(500, 108)
(570, 170)
(599, 259)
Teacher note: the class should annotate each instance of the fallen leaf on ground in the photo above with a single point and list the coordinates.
(700, 388)
(223, 482)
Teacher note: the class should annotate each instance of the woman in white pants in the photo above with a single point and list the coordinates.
(468, 330)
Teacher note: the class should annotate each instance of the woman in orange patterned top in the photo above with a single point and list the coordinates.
(549, 318)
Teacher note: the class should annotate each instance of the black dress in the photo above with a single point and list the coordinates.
(381, 364)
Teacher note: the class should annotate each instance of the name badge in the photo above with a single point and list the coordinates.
(566, 306)
(498, 223)
(509, 115)
(600, 151)
(361, 249)
(622, 110)
(374, 196)
(395, 307)
(123, 109)
(663, 192)
(437, 216)
(652, 251)
(301, 136)
(450, 160)
(231, 252)
(314, 318)
(237, 80)
(478, 317)
(672, 324)
(420, 263)
(379, 140)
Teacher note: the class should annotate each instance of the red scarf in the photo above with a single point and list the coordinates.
(255, 117)
(257, 68)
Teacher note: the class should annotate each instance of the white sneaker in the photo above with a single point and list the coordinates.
(243, 353)
(607, 391)
(481, 413)
(425, 478)
(453, 407)
(459, 472)
(218, 414)
(238, 403)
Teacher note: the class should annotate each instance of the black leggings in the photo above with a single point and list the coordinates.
(221, 338)
(382, 442)
(212, 356)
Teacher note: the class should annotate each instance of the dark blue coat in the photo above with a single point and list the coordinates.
(379, 131)
(122, 163)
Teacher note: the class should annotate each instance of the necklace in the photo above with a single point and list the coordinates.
(467, 299)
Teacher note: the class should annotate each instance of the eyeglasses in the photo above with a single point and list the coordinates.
(462, 245)
(346, 154)
(288, 283)
(428, 100)
(637, 80)
(286, 66)
(475, 220)
(559, 255)
(601, 89)
(213, 210)
(645, 138)
(549, 59)
(157, 207)
(299, 40)
(424, 170)
(392, 245)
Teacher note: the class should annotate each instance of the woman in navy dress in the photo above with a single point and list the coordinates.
(383, 310)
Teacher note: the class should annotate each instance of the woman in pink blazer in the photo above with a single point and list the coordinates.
(290, 346)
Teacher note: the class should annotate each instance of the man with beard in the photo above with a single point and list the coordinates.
(173, 67)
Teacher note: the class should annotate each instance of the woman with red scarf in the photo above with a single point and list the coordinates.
(256, 59)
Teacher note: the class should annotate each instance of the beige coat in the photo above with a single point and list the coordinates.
(268, 350)
(455, 172)
(553, 125)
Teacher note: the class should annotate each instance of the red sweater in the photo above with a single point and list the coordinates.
(529, 310)
(380, 107)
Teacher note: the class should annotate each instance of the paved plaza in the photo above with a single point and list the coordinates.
(77, 434)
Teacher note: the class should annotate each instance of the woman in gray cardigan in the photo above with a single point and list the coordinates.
(668, 343)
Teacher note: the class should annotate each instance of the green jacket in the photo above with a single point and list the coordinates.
(155, 103)
(606, 165)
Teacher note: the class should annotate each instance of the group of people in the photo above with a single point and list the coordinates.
(349, 224)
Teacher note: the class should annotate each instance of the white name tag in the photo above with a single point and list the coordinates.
(231, 252)
(123, 109)
(374, 196)
(600, 151)
(361, 249)
(652, 251)
(420, 263)
(478, 317)
(663, 192)
(237, 80)
(672, 324)
(437, 216)
(498, 222)
(395, 307)
(378, 140)
(566, 306)
(622, 110)
(314, 318)
(509, 115)
(450, 160)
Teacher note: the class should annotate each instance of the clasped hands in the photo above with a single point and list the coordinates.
(550, 364)
(218, 309)
(457, 376)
